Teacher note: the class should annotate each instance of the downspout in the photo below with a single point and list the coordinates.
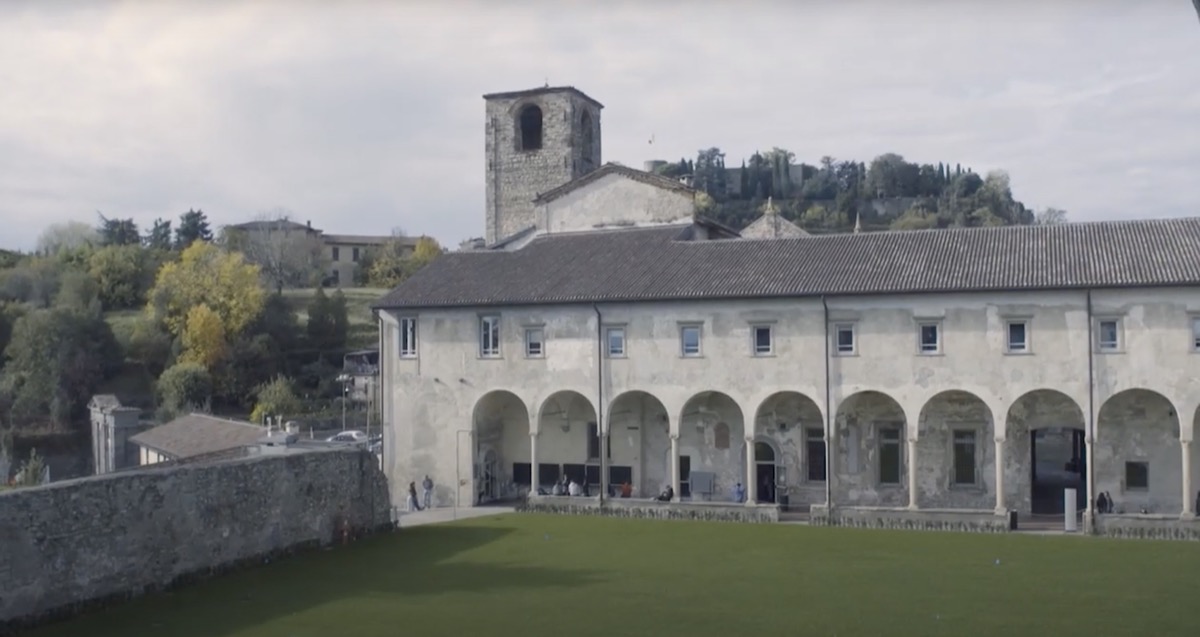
(602, 430)
(1091, 424)
(379, 395)
(828, 422)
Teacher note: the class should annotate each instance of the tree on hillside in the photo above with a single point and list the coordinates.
(203, 337)
(183, 388)
(193, 226)
(393, 262)
(288, 256)
(118, 232)
(275, 398)
(124, 273)
(35, 281)
(1051, 216)
(159, 236)
(69, 236)
(223, 281)
(328, 322)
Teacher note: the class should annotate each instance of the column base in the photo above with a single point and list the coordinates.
(1187, 516)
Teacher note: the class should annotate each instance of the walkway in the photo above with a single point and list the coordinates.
(439, 515)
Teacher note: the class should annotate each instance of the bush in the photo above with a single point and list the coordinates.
(276, 398)
(185, 387)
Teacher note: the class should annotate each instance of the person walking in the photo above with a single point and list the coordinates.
(413, 505)
(427, 487)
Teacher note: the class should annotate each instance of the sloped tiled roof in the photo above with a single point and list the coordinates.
(199, 434)
(613, 169)
(650, 264)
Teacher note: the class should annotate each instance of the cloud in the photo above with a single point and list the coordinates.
(364, 116)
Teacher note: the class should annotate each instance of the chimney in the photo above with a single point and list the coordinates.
(309, 224)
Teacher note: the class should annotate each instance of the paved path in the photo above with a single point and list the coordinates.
(447, 514)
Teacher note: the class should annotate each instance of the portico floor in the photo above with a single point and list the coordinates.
(530, 574)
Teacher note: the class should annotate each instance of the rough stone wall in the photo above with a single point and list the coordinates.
(947, 412)
(629, 508)
(1146, 527)
(856, 464)
(615, 201)
(962, 521)
(1140, 426)
(70, 543)
(514, 178)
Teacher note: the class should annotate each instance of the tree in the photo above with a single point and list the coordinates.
(276, 398)
(193, 226)
(394, 262)
(118, 232)
(124, 273)
(915, 219)
(36, 282)
(69, 236)
(328, 322)
(184, 387)
(288, 254)
(223, 281)
(1052, 216)
(159, 236)
(203, 337)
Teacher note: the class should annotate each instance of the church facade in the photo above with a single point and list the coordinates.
(608, 333)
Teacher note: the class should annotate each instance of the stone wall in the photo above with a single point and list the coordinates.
(921, 520)
(68, 545)
(1146, 527)
(630, 508)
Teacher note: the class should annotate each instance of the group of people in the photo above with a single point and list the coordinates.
(427, 487)
(568, 486)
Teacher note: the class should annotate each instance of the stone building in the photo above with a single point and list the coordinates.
(972, 372)
(113, 424)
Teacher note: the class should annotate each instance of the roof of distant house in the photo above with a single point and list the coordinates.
(199, 434)
(272, 224)
(372, 240)
(614, 169)
(658, 264)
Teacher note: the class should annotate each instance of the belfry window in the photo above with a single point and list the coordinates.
(529, 126)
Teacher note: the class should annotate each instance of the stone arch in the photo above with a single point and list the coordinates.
(529, 127)
(1136, 452)
(500, 422)
(697, 449)
(569, 438)
(1062, 423)
(871, 465)
(794, 423)
(639, 429)
(956, 452)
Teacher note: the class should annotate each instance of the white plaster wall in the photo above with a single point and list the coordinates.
(614, 201)
(1139, 426)
(432, 397)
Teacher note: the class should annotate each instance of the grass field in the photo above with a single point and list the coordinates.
(533, 575)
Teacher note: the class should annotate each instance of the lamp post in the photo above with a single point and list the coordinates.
(344, 378)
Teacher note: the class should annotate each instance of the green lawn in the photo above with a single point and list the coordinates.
(527, 575)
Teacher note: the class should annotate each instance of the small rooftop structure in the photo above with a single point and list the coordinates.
(197, 435)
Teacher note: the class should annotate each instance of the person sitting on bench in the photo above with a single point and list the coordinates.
(667, 494)
(626, 489)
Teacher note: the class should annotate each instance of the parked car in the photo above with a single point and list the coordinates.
(352, 435)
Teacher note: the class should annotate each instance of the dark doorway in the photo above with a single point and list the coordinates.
(685, 470)
(764, 472)
(1057, 461)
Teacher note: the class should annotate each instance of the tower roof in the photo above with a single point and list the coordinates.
(542, 90)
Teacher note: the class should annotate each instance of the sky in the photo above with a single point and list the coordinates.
(367, 116)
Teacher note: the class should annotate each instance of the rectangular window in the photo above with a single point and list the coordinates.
(814, 446)
(1137, 475)
(1196, 333)
(1018, 337)
(762, 339)
(489, 336)
(889, 455)
(534, 340)
(354, 255)
(615, 337)
(931, 342)
(689, 340)
(336, 253)
(337, 276)
(594, 442)
(845, 339)
(964, 457)
(408, 337)
(1108, 335)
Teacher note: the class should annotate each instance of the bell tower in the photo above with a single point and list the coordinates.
(536, 140)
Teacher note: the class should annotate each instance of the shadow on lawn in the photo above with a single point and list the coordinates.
(409, 563)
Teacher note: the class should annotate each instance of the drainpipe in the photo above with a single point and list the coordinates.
(602, 430)
(828, 422)
(1091, 423)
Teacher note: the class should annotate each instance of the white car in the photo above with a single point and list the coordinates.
(352, 435)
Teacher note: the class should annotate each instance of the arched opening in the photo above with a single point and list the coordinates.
(1138, 465)
(871, 469)
(588, 141)
(569, 442)
(500, 458)
(706, 472)
(955, 454)
(795, 425)
(1044, 452)
(640, 440)
(529, 127)
(768, 471)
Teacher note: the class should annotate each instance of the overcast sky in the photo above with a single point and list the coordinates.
(368, 116)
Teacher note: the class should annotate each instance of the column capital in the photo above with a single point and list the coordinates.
(534, 434)
(674, 436)
(999, 440)
(749, 440)
(1185, 442)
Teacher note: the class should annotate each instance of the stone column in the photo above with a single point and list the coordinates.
(1186, 448)
(912, 474)
(751, 484)
(533, 463)
(675, 463)
(1000, 508)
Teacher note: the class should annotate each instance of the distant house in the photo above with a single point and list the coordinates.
(363, 369)
(196, 435)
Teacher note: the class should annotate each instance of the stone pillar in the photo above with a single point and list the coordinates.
(912, 474)
(675, 463)
(533, 463)
(1000, 508)
(1186, 448)
(751, 484)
